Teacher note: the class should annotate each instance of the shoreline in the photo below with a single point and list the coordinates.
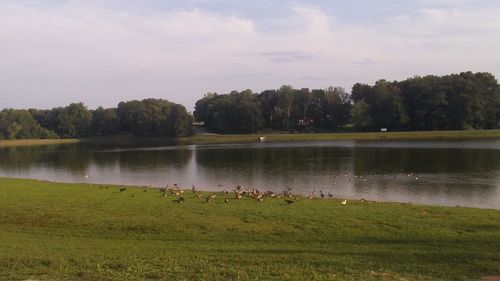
(269, 137)
(188, 191)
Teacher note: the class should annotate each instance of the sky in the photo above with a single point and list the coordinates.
(53, 53)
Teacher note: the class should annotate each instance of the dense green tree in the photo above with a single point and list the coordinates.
(268, 102)
(73, 121)
(284, 106)
(201, 107)
(19, 124)
(237, 113)
(386, 109)
(361, 116)
(154, 117)
(425, 102)
(105, 122)
(337, 108)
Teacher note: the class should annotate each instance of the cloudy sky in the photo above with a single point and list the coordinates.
(102, 52)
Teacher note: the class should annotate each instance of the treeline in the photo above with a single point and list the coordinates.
(282, 109)
(452, 102)
(146, 118)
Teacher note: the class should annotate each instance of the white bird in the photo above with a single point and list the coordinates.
(344, 202)
(86, 176)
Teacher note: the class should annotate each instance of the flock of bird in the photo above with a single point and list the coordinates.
(236, 193)
(240, 192)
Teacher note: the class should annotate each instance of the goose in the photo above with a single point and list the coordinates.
(344, 202)
(178, 200)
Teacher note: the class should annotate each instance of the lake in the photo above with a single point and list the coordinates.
(443, 172)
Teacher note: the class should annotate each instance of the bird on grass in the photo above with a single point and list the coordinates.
(179, 200)
(122, 189)
(321, 193)
(226, 200)
(288, 201)
(237, 195)
(344, 202)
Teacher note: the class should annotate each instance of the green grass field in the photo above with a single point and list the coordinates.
(89, 232)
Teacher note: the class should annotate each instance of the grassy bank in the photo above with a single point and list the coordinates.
(71, 231)
(219, 139)
(9, 143)
(202, 139)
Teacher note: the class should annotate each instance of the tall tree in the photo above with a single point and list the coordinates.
(19, 124)
(105, 122)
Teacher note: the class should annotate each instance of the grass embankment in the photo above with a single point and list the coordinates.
(80, 231)
(219, 139)
(8, 143)
(206, 139)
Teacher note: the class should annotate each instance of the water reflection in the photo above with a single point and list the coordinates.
(463, 173)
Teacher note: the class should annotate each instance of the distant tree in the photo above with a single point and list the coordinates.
(179, 121)
(361, 116)
(386, 109)
(19, 124)
(285, 105)
(73, 121)
(268, 102)
(201, 107)
(337, 108)
(237, 113)
(105, 122)
(426, 103)
(154, 117)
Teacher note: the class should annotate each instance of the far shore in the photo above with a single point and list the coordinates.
(267, 137)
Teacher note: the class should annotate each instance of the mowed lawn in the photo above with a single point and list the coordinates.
(90, 232)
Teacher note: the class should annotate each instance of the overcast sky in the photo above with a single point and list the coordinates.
(53, 53)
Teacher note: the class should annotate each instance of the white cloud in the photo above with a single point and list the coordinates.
(100, 56)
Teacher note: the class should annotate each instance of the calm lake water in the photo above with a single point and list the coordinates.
(457, 172)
